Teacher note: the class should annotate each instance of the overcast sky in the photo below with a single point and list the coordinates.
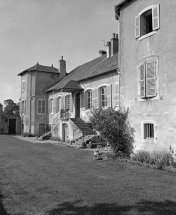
(42, 31)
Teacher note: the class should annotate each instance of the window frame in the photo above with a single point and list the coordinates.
(144, 61)
(143, 123)
(105, 94)
(41, 100)
(86, 99)
(155, 26)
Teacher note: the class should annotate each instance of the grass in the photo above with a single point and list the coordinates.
(45, 179)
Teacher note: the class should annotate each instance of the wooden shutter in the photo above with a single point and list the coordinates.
(155, 17)
(54, 105)
(150, 79)
(83, 100)
(71, 102)
(49, 106)
(108, 88)
(137, 26)
(95, 98)
(63, 102)
(117, 94)
(142, 80)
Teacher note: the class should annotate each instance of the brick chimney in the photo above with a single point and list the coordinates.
(114, 44)
(62, 68)
(108, 45)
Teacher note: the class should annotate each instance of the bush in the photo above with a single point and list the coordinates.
(158, 159)
(115, 128)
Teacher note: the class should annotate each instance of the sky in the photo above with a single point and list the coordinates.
(42, 31)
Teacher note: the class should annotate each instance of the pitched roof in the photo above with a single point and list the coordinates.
(93, 68)
(40, 68)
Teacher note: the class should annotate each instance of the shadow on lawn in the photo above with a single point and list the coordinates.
(147, 207)
(2, 209)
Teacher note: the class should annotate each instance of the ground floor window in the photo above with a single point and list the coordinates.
(148, 131)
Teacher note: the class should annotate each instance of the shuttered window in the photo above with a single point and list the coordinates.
(108, 88)
(147, 21)
(41, 106)
(148, 79)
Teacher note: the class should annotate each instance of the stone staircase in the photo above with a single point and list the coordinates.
(86, 131)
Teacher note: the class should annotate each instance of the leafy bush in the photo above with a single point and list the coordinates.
(115, 128)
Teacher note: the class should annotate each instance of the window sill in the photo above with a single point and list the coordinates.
(147, 35)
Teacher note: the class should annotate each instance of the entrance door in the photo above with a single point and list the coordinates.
(41, 129)
(77, 105)
(12, 126)
(65, 133)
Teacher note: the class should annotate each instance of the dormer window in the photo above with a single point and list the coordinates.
(147, 21)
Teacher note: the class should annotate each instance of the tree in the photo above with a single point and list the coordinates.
(114, 126)
(11, 108)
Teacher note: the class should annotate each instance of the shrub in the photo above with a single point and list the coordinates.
(115, 128)
(159, 159)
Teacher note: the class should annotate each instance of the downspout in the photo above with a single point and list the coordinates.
(30, 97)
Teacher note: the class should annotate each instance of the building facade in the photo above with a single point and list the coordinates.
(147, 31)
(52, 99)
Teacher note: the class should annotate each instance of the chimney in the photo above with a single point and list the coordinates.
(108, 49)
(1, 118)
(102, 52)
(114, 44)
(62, 68)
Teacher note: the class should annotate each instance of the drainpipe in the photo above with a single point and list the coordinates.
(30, 97)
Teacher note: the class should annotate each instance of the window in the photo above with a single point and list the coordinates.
(58, 104)
(148, 81)
(147, 21)
(41, 106)
(103, 97)
(50, 105)
(148, 131)
(88, 99)
(23, 85)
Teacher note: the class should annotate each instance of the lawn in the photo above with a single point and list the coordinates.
(47, 179)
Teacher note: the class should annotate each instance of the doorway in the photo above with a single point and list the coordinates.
(41, 129)
(65, 133)
(12, 126)
(77, 105)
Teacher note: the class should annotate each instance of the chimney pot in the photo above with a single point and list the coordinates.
(61, 57)
(114, 35)
(108, 49)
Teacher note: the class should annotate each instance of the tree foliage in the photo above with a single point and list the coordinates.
(114, 126)
(11, 108)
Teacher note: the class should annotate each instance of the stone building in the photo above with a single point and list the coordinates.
(147, 31)
(52, 99)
